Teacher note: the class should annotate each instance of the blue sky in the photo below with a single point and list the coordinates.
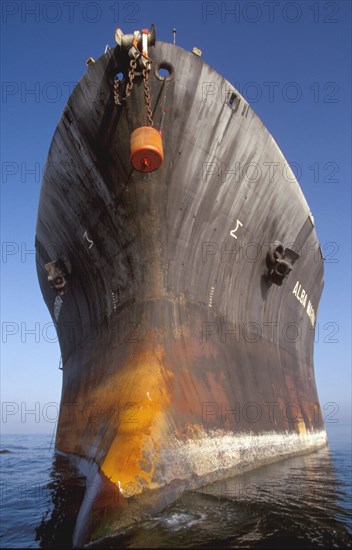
(291, 60)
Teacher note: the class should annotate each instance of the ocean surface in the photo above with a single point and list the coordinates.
(300, 502)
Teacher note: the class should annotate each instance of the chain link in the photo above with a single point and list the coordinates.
(147, 96)
(131, 75)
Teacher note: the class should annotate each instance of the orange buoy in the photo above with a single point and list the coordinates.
(146, 149)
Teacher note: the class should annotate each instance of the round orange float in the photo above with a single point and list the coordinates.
(146, 149)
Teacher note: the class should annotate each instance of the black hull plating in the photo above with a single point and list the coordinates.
(169, 313)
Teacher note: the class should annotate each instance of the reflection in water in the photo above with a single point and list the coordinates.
(293, 503)
(66, 489)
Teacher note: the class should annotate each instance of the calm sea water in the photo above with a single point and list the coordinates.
(301, 502)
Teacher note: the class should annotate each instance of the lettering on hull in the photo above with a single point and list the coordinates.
(302, 297)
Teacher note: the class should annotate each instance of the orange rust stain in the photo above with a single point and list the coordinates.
(144, 383)
(189, 431)
(188, 343)
(301, 426)
(299, 420)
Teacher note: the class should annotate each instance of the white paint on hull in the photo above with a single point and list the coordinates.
(216, 455)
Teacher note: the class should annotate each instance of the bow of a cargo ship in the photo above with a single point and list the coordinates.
(184, 292)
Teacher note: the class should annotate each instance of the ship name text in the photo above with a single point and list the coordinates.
(302, 297)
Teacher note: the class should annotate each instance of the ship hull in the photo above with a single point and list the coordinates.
(183, 362)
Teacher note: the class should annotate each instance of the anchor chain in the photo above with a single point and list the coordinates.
(147, 96)
(131, 76)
